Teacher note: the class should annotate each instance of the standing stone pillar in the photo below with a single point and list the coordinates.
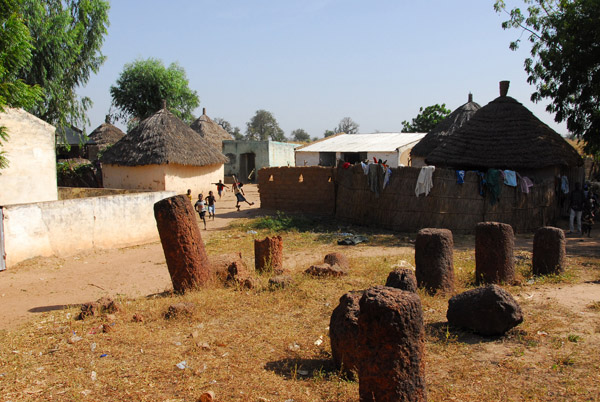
(549, 251)
(494, 258)
(268, 254)
(343, 333)
(434, 260)
(391, 347)
(182, 243)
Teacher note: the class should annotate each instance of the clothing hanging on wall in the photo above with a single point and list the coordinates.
(425, 180)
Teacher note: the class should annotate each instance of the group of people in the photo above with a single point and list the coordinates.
(204, 205)
(583, 207)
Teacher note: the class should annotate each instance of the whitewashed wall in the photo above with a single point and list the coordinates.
(60, 228)
(31, 173)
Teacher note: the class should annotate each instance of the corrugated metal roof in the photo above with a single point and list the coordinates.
(375, 142)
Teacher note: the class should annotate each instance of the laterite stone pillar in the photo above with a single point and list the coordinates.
(549, 251)
(268, 254)
(434, 260)
(182, 243)
(494, 257)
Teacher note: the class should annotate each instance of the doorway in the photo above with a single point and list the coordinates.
(247, 168)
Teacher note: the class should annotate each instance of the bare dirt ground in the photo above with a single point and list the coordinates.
(45, 284)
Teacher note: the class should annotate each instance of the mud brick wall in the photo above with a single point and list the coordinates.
(308, 190)
(457, 207)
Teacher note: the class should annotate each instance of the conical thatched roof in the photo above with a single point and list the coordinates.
(210, 130)
(162, 139)
(445, 128)
(106, 134)
(504, 134)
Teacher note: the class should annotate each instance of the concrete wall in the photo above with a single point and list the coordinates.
(61, 228)
(151, 177)
(31, 173)
(391, 157)
(281, 154)
(267, 154)
(308, 158)
(199, 179)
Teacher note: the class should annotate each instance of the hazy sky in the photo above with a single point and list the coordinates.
(313, 62)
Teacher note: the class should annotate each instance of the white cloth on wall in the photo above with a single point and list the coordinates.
(425, 180)
(365, 167)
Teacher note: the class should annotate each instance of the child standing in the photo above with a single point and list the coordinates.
(200, 207)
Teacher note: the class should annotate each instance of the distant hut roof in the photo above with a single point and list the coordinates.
(504, 134)
(211, 131)
(445, 128)
(106, 134)
(162, 139)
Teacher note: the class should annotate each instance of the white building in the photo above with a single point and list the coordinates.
(391, 147)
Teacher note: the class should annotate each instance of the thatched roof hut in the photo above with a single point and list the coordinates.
(106, 134)
(163, 139)
(504, 134)
(444, 129)
(211, 131)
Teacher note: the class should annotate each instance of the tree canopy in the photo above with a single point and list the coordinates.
(564, 65)
(263, 126)
(300, 135)
(346, 125)
(233, 131)
(328, 133)
(15, 54)
(67, 36)
(427, 119)
(144, 84)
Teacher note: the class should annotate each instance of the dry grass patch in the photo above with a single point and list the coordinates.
(251, 344)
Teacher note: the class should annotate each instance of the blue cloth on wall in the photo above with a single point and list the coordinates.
(510, 178)
(460, 177)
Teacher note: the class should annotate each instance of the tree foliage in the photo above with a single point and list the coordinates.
(263, 126)
(15, 54)
(233, 131)
(144, 84)
(67, 37)
(300, 135)
(427, 119)
(564, 66)
(328, 133)
(347, 125)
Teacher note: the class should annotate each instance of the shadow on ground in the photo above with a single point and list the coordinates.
(298, 368)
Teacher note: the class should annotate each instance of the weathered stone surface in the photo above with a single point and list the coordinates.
(434, 260)
(549, 251)
(268, 255)
(186, 309)
(280, 281)
(391, 346)
(104, 305)
(488, 310)
(337, 259)
(343, 333)
(326, 270)
(229, 268)
(403, 279)
(182, 243)
(494, 259)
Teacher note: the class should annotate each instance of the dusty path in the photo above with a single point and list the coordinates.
(45, 284)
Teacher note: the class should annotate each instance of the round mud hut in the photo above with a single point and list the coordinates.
(210, 131)
(504, 134)
(163, 154)
(104, 136)
(444, 129)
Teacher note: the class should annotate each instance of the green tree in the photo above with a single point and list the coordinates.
(347, 125)
(15, 53)
(427, 119)
(328, 133)
(564, 65)
(144, 84)
(300, 135)
(263, 126)
(67, 38)
(233, 131)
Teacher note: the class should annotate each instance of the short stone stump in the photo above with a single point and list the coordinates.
(268, 255)
(343, 333)
(403, 279)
